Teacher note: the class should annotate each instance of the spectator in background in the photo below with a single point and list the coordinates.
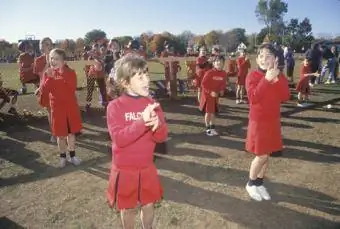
(315, 56)
(280, 56)
(337, 60)
(290, 63)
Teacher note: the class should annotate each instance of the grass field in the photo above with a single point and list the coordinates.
(11, 78)
(203, 177)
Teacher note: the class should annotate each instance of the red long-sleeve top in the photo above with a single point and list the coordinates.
(265, 97)
(133, 143)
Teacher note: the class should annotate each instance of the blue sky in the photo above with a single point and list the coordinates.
(73, 18)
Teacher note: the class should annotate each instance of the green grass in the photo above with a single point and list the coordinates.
(11, 77)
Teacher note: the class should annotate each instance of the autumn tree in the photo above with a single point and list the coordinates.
(93, 35)
(80, 43)
(211, 38)
(271, 12)
(124, 40)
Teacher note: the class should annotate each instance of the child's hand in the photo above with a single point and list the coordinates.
(148, 111)
(153, 122)
(273, 71)
(213, 94)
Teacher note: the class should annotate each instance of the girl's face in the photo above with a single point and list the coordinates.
(218, 64)
(114, 46)
(305, 62)
(203, 52)
(139, 83)
(56, 61)
(265, 59)
(46, 47)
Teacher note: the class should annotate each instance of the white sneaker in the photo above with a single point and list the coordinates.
(75, 161)
(333, 81)
(328, 82)
(62, 162)
(253, 192)
(238, 101)
(263, 192)
(213, 132)
(208, 133)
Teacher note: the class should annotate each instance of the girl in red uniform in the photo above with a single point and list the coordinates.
(41, 64)
(96, 74)
(201, 68)
(303, 87)
(175, 65)
(243, 65)
(213, 86)
(135, 123)
(267, 88)
(26, 61)
(60, 84)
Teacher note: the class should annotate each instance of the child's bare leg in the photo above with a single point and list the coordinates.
(212, 120)
(241, 92)
(207, 120)
(237, 93)
(71, 142)
(263, 170)
(199, 94)
(147, 216)
(128, 217)
(256, 166)
(62, 145)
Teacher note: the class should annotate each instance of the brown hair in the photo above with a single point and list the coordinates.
(128, 66)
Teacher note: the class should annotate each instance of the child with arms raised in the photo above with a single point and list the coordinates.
(267, 88)
(60, 86)
(135, 123)
(213, 86)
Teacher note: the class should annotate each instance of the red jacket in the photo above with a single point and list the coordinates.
(61, 91)
(133, 143)
(264, 97)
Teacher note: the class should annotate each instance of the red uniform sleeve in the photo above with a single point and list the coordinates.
(206, 83)
(37, 66)
(256, 88)
(123, 135)
(45, 89)
(71, 80)
(161, 134)
(283, 88)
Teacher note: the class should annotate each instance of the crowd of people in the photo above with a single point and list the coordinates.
(136, 122)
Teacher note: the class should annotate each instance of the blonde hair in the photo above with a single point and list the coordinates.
(127, 67)
(58, 52)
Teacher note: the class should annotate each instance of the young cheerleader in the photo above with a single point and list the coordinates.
(96, 74)
(135, 123)
(60, 84)
(41, 64)
(231, 69)
(267, 88)
(243, 65)
(8, 96)
(303, 87)
(201, 68)
(213, 86)
(26, 61)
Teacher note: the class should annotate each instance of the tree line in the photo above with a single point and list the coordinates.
(293, 32)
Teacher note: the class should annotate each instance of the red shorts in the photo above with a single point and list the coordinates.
(29, 77)
(264, 137)
(130, 187)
